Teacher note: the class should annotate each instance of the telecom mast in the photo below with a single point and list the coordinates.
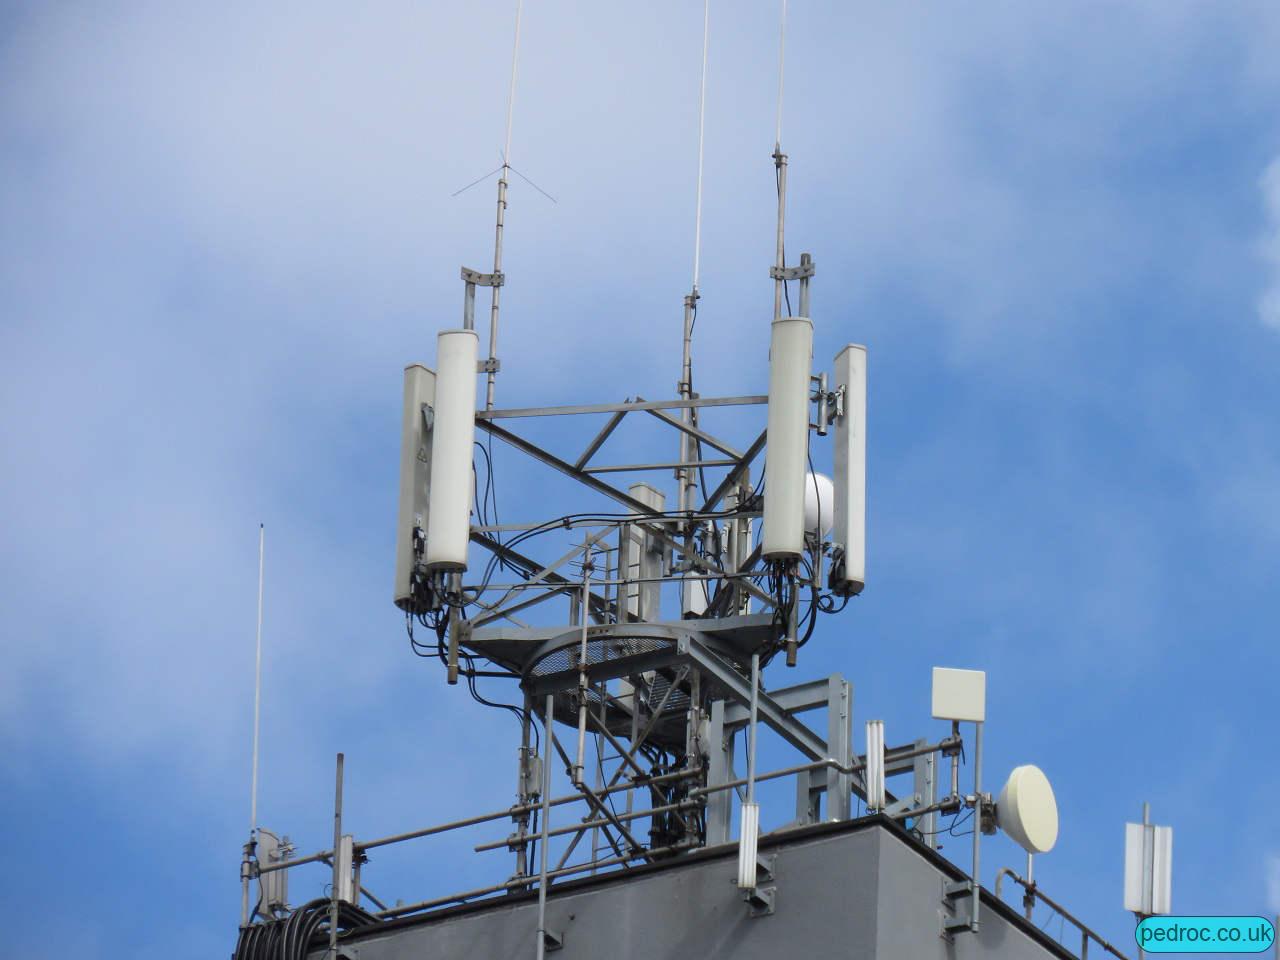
(632, 636)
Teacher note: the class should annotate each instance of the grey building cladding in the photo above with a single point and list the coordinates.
(859, 889)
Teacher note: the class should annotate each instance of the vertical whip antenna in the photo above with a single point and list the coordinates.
(250, 847)
(702, 128)
(257, 690)
(491, 366)
(780, 169)
(782, 59)
(693, 593)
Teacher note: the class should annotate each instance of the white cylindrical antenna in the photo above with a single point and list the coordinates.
(875, 765)
(415, 481)
(702, 126)
(790, 361)
(257, 687)
(453, 434)
(782, 60)
(748, 846)
(850, 455)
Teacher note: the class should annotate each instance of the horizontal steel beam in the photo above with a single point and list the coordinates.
(517, 412)
(769, 710)
(668, 465)
(797, 699)
(551, 460)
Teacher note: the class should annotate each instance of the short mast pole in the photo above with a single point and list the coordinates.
(249, 847)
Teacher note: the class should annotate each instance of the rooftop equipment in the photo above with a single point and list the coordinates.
(453, 435)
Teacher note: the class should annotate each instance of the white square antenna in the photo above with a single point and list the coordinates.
(959, 694)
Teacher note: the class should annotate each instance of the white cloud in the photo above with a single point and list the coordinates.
(1273, 884)
(1269, 304)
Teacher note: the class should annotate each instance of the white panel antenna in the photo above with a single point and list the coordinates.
(959, 694)
(415, 481)
(1148, 869)
(453, 434)
(786, 463)
(875, 765)
(848, 574)
(273, 887)
(345, 869)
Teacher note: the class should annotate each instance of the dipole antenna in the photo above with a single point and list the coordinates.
(257, 689)
(688, 447)
(491, 366)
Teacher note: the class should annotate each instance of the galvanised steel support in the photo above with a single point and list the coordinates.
(337, 861)
(976, 879)
(515, 413)
(551, 460)
(736, 474)
(795, 733)
(839, 739)
(719, 772)
(923, 770)
(548, 720)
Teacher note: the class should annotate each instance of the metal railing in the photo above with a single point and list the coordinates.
(1032, 893)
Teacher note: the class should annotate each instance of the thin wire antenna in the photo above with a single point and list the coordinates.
(692, 593)
(511, 92)
(492, 365)
(257, 688)
(702, 127)
(782, 59)
(476, 181)
(534, 185)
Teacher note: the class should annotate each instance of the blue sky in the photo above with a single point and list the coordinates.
(225, 230)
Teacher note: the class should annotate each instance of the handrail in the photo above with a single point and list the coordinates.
(1033, 893)
(694, 797)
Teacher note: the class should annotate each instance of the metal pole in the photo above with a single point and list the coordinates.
(977, 828)
(257, 690)
(501, 217)
(250, 847)
(805, 260)
(1029, 901)
(751, 730)
(522, 789)
(780, 164)
(955, 761)
(685, 474)
(546, 826)
(583, 700)
(244, 883)
(337, 860)
(455, 615)
(1146, 863)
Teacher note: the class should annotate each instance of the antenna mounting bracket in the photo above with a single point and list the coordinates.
(802, 272)
(483, 279)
